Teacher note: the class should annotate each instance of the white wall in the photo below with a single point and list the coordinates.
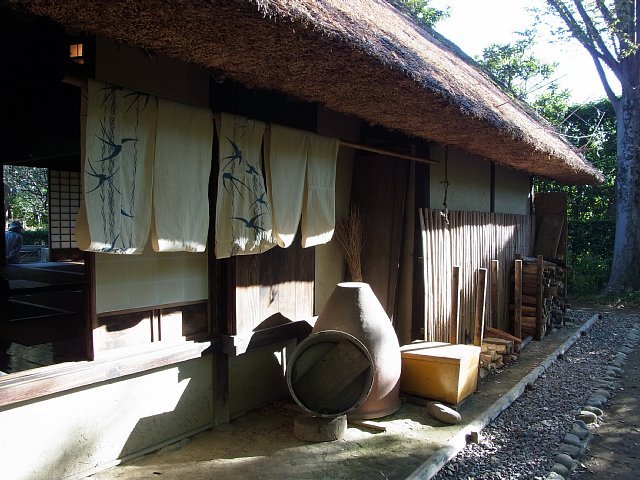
(469, 179)
(470, 184)
(130, 281)
(257, 377)
(513, 192)
(74, 433)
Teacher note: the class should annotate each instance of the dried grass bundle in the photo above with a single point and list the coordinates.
(350, 234)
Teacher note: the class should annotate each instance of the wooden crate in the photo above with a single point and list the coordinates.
(441, 371)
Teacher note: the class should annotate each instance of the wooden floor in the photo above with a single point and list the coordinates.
(43, 321)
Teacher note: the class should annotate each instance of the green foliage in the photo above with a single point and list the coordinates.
(552, 104)
(35, 237)
(592, 128)
(523, 75)
(590, 253)
(26, 189)
(423, 13)
(609, 32)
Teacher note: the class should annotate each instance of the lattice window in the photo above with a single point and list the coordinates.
(64, 202)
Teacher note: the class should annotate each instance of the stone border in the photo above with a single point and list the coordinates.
(575, 443)
(441, 457)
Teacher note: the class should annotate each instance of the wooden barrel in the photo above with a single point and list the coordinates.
(330, 373)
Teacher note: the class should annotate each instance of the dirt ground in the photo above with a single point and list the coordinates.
(261, 444)
(614, 452)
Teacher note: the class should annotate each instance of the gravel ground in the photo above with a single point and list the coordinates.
(522, 442)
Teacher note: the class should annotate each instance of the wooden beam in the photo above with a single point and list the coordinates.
(387, 153)
(40, 382)
(497, 333)
(3, 246)
(366, 148)
(221, 387)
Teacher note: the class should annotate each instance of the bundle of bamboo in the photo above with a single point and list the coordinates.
(456, 246)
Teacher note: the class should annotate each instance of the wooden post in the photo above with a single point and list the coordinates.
(3, 244)
(454, 320)
(481, 293)
(539, 294)
(495, 285)
(517, 299)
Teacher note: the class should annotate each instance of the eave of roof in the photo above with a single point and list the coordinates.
(367, 59)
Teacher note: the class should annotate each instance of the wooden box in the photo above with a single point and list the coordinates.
(441, 371)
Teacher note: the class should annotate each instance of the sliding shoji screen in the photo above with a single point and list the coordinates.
(64, 202)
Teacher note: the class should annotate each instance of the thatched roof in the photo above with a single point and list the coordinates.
(364, 58)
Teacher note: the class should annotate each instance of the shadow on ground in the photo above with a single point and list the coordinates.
(261, 443)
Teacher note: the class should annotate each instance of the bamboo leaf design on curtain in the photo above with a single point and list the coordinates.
(237, 165)
(114, 151)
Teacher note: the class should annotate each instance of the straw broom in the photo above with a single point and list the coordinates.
(350, 234)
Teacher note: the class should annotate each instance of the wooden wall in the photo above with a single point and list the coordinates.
(378, 190)
(470, 240)
(143, 326)
(277, 281)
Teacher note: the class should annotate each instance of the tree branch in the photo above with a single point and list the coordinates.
(606, 56)
(606, 13)
(581, 35)
(615, 101)
(574, 27)
(610, 20)
(625, 14)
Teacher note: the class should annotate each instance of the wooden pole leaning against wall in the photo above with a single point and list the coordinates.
(481, 294)
(454, 320)
(517, 299)
(540, 326)
(494, 292)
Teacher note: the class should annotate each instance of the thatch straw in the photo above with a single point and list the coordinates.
(364, 58)
(350, 235)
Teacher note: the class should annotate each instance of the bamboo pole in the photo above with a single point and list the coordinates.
(539, 293)
(217, 116)
(517, 299)
(387, 153)
(481, 293)
(425, 267)
(495, 285)
(441, 245)
(455, 302)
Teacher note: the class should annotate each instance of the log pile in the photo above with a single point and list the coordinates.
(496, 352)
(542, 296)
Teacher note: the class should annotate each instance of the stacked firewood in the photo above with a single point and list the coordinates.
(498, 348)
(543, 296)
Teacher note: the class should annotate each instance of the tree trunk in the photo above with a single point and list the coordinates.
(625, 268)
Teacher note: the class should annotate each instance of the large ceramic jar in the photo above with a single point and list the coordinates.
(353, 308)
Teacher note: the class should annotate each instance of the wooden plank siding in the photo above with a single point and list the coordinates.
(279, 281)
(378, 190)
(470, 240)
(140, 327)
